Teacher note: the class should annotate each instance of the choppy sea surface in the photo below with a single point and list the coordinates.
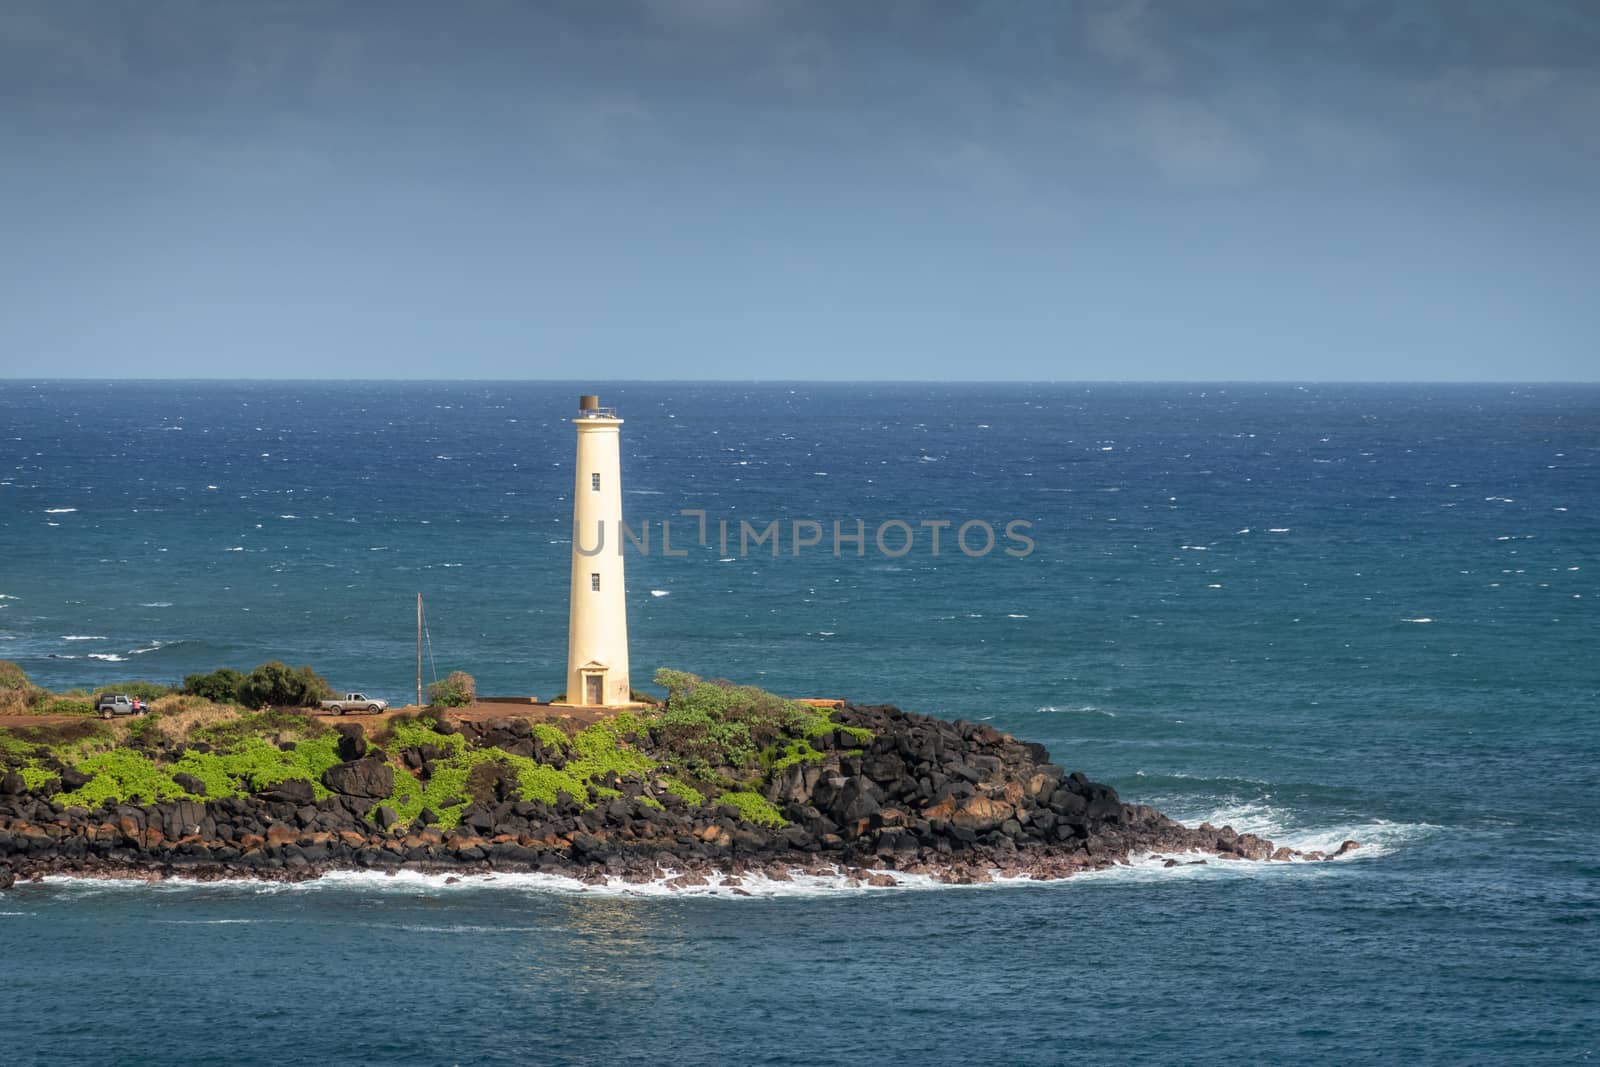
(1315, 612)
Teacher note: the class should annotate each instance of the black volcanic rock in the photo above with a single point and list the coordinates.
(368, 777)
(957, 800)
(294, 791)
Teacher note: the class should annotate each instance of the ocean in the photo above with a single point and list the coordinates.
(1314, 612)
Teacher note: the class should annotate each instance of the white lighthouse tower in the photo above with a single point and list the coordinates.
(597, 625)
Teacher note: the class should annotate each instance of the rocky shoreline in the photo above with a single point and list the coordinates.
(959, 802)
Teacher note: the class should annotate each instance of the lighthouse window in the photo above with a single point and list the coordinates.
(594, 582)
(594, 482)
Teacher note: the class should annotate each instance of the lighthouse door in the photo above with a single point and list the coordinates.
(594, 688)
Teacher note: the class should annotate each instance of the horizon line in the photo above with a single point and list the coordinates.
(81, 379)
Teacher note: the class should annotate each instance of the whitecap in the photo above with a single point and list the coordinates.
(157, 604)
(235, 548)
(1279, 529)
(108, 657)
(1194, 548)
(1214, 585)
(82, 637)
(659, 592)
(141, 651)
(8, 596)
(59, 511)
(1082, 709)
(1423, 618)
(288, 516)
(1015, 616)
(726, 559)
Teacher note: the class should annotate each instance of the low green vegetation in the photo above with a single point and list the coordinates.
(710, 742)
(753, 807)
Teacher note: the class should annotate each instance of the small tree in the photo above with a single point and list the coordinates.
(220, 686)
(456, 691)
(279, 684)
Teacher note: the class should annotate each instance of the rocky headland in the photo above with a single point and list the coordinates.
(869, 792)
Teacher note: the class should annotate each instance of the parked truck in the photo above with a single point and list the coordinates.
(355, 702)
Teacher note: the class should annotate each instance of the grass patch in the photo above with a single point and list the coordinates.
(254, 725)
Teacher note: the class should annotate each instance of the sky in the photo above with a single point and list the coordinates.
(759, 189)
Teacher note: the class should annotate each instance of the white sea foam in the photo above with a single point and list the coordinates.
(1424, 618)
(1378, 837)
(157, 604)
(109, 657)
(727, 559)
(1016, 616)
(82, 637)
(141, 651)
(749, 887)
(59, 511)
(8, 596)
(235, 548)
(660, 592)
(1278, 529)
(1082, 709)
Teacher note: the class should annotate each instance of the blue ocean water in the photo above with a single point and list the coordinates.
(1312, 611)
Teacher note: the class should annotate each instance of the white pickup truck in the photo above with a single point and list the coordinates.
(355, 702)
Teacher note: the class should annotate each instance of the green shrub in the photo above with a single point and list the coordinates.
(540, 781)
(781, 756)
(445, 794)
(123, 775)
(711, 724)
(408, 731)
(550, 736)
(684, 791)
(13, 749)
(36, 776)
(277, 684)
(220, 686)
(62, 705)
(255, 763)
(753, 807)
(456, 691)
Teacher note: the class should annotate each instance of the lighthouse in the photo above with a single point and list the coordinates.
(597, 623)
